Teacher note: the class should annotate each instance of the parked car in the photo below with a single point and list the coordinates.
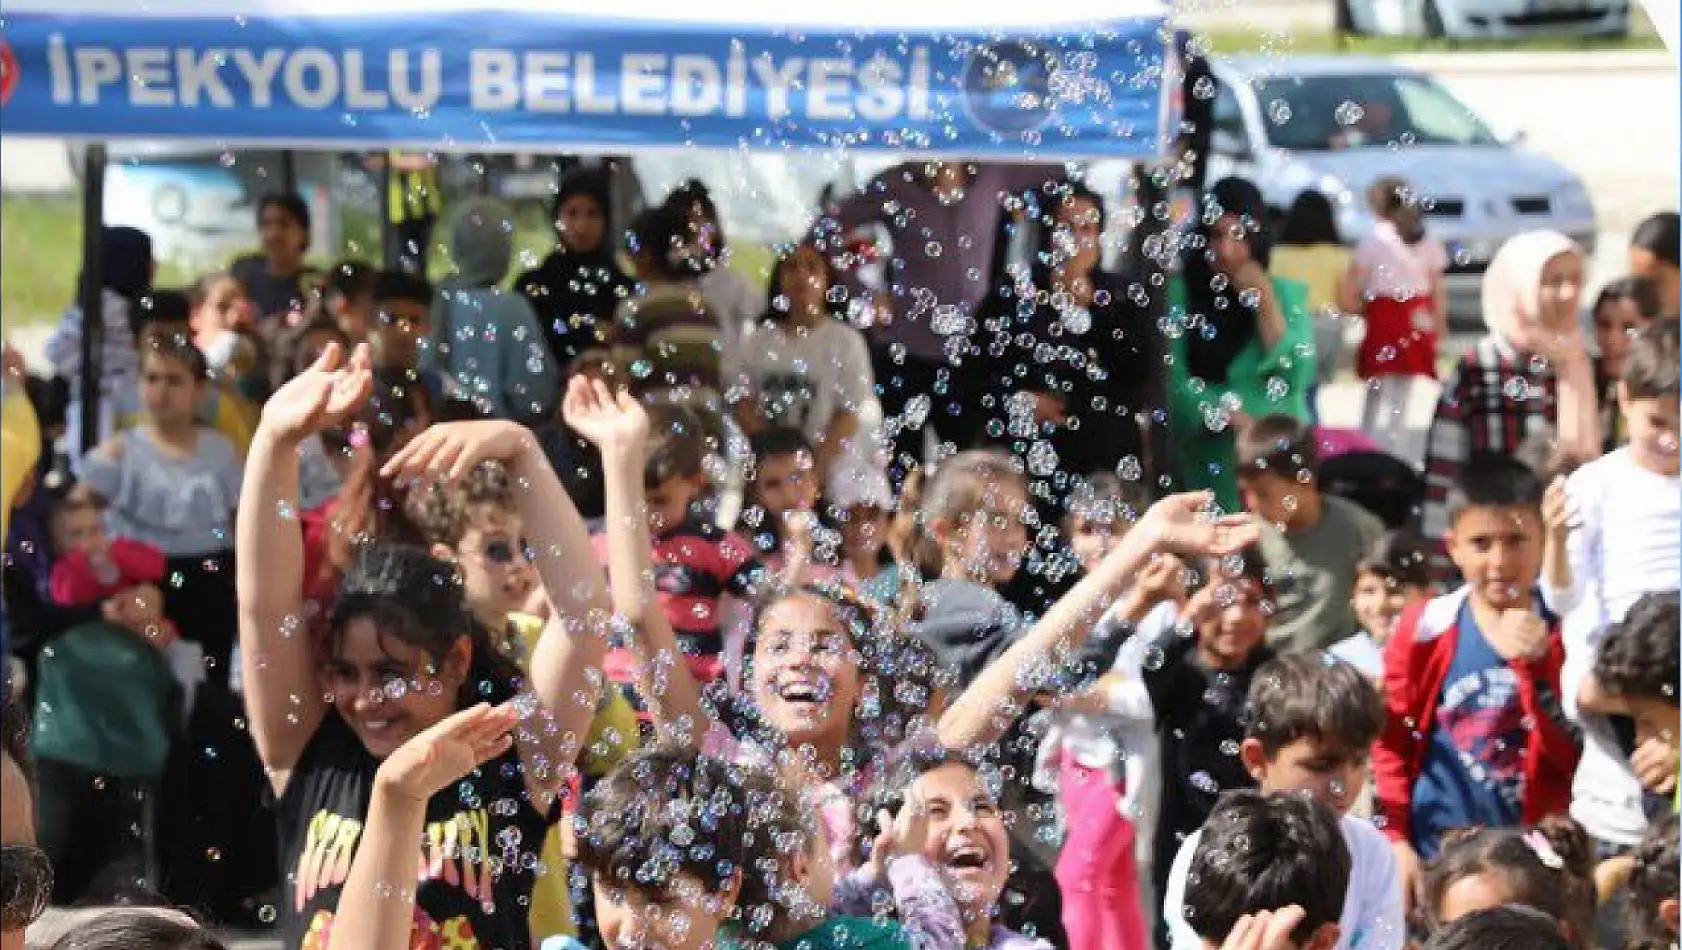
(1337, 125)
(1486, 19)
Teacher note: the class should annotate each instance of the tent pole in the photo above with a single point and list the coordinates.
(289, 172)
(92, 291)
(389, 251)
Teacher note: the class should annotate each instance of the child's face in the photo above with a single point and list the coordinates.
(864, 530)
(168, 390)
(398, 328)
(224, 308)
(688, 919)
(355, 314)
(1471, 894)
(967, 839)
(282, 235)
(390, 691)
(79, 529)
(804, 280)
(668, 502)
(1653, 431)
(805, 677)
(1614, 323)
(1499, 553)
(496, 576)
(1276, 499)
(1559, 298)
(989, 543)
(1093, 539)
(1230, 615)
(1656, 720)
(1378, 601)
(581, 224)
(1331, 772)
(785, 484)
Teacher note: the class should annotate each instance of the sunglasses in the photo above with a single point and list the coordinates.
(26, 879)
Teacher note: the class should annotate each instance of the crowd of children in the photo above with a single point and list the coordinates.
(473, 579)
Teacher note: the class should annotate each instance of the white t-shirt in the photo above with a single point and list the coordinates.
(1122, 742)
(1629, 543)
(1373, 915)
(1396, 270)
(802, 377)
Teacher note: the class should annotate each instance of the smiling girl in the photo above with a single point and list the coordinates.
(399, 652)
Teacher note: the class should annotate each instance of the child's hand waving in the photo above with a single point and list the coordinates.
(901, 834)
(611, 420)
(440, 756)
(1182, 524)
(325, 395)
(449, 451)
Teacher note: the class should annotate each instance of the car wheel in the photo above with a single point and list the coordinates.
(1434, 27)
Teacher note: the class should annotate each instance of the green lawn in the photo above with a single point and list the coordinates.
(1237, 39)
(41, 253)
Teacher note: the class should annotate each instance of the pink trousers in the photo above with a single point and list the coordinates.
(1097, 872)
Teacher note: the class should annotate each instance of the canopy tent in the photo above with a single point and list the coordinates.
(1089, 79)
(942, 77)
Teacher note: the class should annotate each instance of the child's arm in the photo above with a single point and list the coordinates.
(277, 667)
(1393, 754)
(377, 906)
(618, 425)
(566, 664)
(1556, 559)
(925, 907)
(1174, 525)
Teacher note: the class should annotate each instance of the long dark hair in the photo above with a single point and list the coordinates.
(125, 258)
(1225, 324)
(1310, 221)
(414, 598)
(1549, 867)
(138, 928)
(1395, 201)
(835, 288)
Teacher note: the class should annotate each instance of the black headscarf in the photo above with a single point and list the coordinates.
(125, 258)
(1224, 323)
(594, 185)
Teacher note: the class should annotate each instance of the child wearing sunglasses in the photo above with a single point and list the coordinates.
(475, 524)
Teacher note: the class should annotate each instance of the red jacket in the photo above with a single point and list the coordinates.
(79, 580)
(1416, 661)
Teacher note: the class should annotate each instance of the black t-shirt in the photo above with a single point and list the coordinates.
(476, 860)
(1200, 724)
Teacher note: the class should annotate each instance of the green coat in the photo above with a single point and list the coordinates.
(1263, 383)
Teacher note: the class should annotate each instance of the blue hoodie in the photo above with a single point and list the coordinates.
(485, 337)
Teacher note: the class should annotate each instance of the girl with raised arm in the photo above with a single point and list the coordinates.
(331, 697)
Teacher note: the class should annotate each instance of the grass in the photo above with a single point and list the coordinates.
(1308, 40)
(41, 252)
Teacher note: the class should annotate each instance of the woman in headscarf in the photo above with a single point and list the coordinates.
(1240, 343)
(576, 288)
(1066, 361)
(127, 269)
(1530, 378)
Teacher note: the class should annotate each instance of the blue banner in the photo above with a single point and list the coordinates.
(512, 81)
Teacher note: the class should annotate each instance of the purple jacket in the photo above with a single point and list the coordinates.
(942, 253)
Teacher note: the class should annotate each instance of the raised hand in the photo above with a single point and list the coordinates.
(1520, 634)
(1183, 525)
(443, 754)
(1268, 930)
(901, 834)
(327, 394)
(447, 452)
(1557, 511)
(611, 420)
(1163, 579)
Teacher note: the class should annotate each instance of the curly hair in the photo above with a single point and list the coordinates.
(1654, 880)
(667, 812)
(444, 512)
(1640, 656)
